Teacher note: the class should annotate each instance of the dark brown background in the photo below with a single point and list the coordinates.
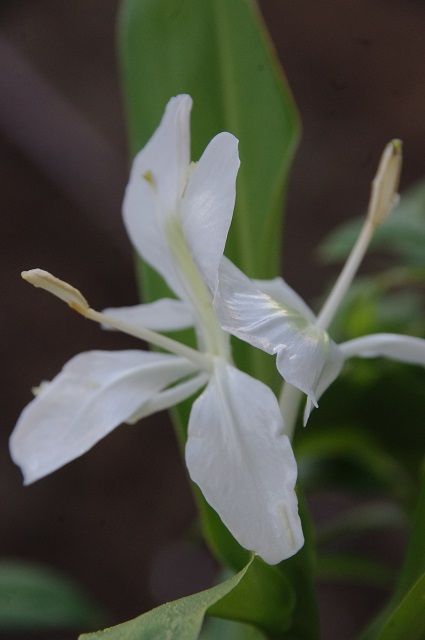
(115, 520)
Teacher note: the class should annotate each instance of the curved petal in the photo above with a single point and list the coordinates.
(388, 345)
(330, 371)
(253, 315)
(170, 397)
(281, 327)
(243, 464)
(310, 361)
(93, 394)
(166, 156)
(284, 295)
(157, 180)
(208, 203)
(166, 314)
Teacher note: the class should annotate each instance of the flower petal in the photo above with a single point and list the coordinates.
(166, 314)
(157, 180)
(93, 394)
(331, 370)
(170, 397)
(280, 291)
(310, 361)
(208, 203)
(253, 315)
(388, 345)
(243, 464)
(278, 326)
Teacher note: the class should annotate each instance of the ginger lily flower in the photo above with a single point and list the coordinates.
(177, 215)
(271, 316)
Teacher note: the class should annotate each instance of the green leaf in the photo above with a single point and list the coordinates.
(241, 597)
(218, 52)
(407, 621)
(33, 597)
(326, 455)
(407, 603)
(403, 232)
(216, 629)
(264, 598)
(178, 620)
(300, 571)
(414, 563)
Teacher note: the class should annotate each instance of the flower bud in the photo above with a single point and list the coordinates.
(384, 194)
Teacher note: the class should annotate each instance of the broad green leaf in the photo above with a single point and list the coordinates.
(33, 597)
(264, 598)
(183, 618)
(403, 232)
(216, 629)
(178, 620)
(218, 52)
(407, 621)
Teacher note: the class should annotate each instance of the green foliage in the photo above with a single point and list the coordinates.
(414, 563)
(403, 233)
(354, 569)
(300, 571)
(404, 617)
(407, 621)
(216, 629)
(33, 598)
(219, 53)
(178, 620)
(350, 458)
(264, 598)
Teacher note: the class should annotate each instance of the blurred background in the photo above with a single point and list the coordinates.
(117, 520)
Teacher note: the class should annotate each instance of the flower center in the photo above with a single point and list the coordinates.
(215, 340)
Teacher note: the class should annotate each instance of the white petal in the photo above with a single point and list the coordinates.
(387, 345)
(166, 314)
(281, 327)
(331, 370)
(243, 464)
(170, 397)
(308, 361)
(251, 314)
(166, 156)
(93, 394)
(280, 291)
(208, 203)
(157, 181)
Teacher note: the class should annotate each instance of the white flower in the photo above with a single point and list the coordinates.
(271, 316)
(177, 215)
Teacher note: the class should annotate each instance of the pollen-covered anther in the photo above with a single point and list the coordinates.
(148, 176)
(59, 288)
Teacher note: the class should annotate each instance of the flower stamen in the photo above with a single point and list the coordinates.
(76, 301)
